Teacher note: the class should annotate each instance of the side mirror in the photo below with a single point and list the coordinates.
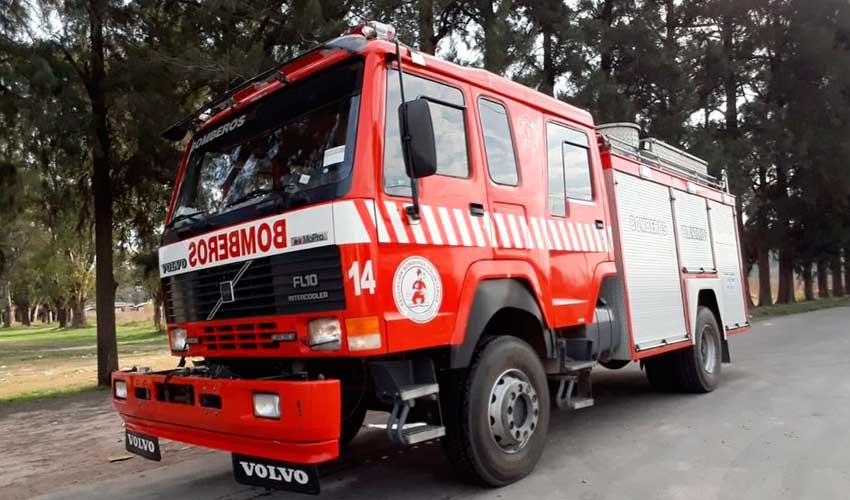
(420, 152)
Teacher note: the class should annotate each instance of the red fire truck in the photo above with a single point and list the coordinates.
(367, 227)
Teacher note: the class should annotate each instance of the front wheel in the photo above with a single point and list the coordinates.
(498, 413)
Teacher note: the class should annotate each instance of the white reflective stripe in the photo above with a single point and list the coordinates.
(523, 225)
(564, 237)
(556, 240)
(546, 234)
(605, 239)
(395, 220)
(488, 228)
(447, 225)
(581, 238)
(535, 226)
(589, 233)
(348, 226)
(599, 244)
(433, 228)
(503, 230)
(418, 233)
(514, 230)
(476, 231)
(460, 219)
(573, 237)
(378, 221)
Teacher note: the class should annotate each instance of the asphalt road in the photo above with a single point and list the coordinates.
(777, 428)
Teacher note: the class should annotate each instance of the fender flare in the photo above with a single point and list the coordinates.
(491, 296)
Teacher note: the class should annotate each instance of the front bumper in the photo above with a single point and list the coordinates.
(307, 431)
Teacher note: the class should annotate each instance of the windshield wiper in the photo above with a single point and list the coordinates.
(188, 215)
(253, 194)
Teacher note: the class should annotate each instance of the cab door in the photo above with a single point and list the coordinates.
(423, 262)
(577, 218)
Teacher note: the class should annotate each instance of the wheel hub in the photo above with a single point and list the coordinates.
(708, 350)
(514, 410)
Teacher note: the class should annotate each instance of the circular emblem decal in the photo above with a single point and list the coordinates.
(417, 289)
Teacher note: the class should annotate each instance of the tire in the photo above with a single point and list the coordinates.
(699, 366)
(505, 380)
(352, 422)
(661, 372)
(694, 369)
(615, 364)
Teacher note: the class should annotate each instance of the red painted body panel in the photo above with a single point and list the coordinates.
(307, 432)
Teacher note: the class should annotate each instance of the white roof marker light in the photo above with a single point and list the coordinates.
(381, 31)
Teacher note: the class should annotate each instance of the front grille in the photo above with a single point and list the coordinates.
(265, 289)
(223, 338)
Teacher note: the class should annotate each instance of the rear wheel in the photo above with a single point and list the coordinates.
(694, 369)
(498, 413)
(699, 365)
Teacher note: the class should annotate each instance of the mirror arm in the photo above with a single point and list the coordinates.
(413, 209)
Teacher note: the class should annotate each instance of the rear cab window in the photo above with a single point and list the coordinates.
(569, 173)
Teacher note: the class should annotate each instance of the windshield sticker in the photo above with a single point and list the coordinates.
(304, 179)
(334, 155)
(417, 289)
(220, 131)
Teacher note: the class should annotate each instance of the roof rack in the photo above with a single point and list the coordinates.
(624, 139)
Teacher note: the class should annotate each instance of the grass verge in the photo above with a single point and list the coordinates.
(760, 313)
(50, 393)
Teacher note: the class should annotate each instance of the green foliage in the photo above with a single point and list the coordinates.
(761, 88)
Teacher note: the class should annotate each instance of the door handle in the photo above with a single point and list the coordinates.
(600, 224)
(476, 209)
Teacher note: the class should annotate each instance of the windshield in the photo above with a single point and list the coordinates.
(296, 144)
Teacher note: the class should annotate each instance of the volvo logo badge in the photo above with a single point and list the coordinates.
(225, 289)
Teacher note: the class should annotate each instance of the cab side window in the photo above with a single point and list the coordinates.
(498, 142)
(449, 130)
(569, 167)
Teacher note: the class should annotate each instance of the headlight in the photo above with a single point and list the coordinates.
(325, 334)
(266, 405)
(121, 389)
(178, 339)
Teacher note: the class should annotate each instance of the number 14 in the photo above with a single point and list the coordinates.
(365, 281)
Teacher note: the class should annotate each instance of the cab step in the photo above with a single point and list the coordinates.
(411, 387)
(419, 434)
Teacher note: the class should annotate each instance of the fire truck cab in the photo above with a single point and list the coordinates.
(462, 261)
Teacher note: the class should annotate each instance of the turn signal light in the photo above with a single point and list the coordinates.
(364, 334)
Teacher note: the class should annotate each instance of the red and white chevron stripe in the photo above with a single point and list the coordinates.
(443, 226)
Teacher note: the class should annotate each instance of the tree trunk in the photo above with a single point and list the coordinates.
(837, 277)
(847, 269)
(62, 316)
(763, 262)
(808, 281)
(35, 311)
(786, 277)
(494, 28)
(24, 313)
(78, 314)
(9, 313)
(547, 77)
(157, 312)
(426, 26)
(107, 348)
(823, 279)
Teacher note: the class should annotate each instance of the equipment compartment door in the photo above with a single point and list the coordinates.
(649, 261)
(725, 241)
